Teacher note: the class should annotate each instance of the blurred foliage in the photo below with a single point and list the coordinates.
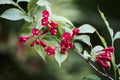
(29, 66)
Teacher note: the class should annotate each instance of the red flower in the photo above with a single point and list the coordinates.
(35, 31)
(43, 44)
(23, 39)
(50, 50)
(75, 31)
(66, 35)
(32, 43)
(104, 56)
(63, 50)
(54, 24)
(45, 13)
(53, 31)
(44, 21)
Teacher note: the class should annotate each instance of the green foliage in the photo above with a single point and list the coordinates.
(83, 38)
(91, 77)
(94, 51)
(6, 2)
(117, 36)
(60, 57)
(43, 3)
(22, 1)
(86, 54)
(13, 14)
(78, 46)
(86, 28)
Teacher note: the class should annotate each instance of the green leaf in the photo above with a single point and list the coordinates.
(43, 3)
(86, 28)
(94, 51)
(60, 58)
(31, 4)
(6, 2)
(91, 77)
(40, 50)
(117, 35)
(13, 14)
(22, 1)
(106, 23)
(61, 19)
(78, 46)
(83, 38)
(86, 55)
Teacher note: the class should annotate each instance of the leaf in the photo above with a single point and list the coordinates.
(40, 50)
(31, 4)
(106, 23)
(13, 14)
(86, 55)
(6, 2)
(22, 1)
(86, 28)
(61, 19)
(60, 58)
(95, 49)
(78, 46)
(91, 77)
(117, 35)
(83, 38)
(43, 3)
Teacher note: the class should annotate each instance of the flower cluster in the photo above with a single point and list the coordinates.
(52, 26)
(35, 32)
(65, 43)
(104, 56)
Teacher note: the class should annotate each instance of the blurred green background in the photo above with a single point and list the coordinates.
(17, 64)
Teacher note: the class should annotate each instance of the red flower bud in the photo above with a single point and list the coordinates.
(54, 24)
(44, 21)
(38, 41)
(50, 50)
(32, 43)
(43, 44)
(53, 31)
(66, 35)
(23, 39)
(63, 50)
(45, 13)
(104, 63)
(35, 31)
(75, 31)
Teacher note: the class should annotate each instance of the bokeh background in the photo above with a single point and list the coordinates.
(28, 65)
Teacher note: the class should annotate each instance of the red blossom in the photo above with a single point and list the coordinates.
(45, 13)
(32, 43)
(66, 35)
(44, 21)
(53, 31)
(35, 31)
(54, 24)
(75, 31)
(23, 39)
(50, 50)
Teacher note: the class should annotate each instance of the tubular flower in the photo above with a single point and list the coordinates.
(35, 31)
(104, 56)
(23, 39)
(75, 31)
(50, 50)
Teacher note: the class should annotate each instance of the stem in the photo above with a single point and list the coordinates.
(97, 70)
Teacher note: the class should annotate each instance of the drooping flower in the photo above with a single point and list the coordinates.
(50, 50)
(104, 56)
(32, 43)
